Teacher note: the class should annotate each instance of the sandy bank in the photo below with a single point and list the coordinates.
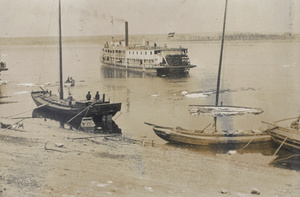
(51, 161)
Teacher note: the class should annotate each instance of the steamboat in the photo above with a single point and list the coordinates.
(145, 57)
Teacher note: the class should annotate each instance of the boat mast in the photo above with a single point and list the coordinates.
(220, 65)
(221, 57)
(61, 92)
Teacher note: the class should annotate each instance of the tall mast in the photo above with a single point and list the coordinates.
(220, 65)
(61, 91)
(221, 57)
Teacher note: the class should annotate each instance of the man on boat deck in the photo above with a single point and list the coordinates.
(70, 99)
(97, 96)
(296, 124)
(88, 96)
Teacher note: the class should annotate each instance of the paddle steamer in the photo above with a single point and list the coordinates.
(146, 57)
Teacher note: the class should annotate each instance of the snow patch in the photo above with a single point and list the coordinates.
(27, 84)
(22, 92)
(196, 95)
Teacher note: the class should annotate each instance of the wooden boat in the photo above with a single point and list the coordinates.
(286, 137)
(69, 82)
(85, 124)
(97, 109)
(3, 66)
(146, 57)
(200, 137)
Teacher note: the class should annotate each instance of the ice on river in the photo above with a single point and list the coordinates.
(27, 84)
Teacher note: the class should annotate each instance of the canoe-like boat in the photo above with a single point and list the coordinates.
(200, 138)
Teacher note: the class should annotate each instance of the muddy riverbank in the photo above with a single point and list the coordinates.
(45, 160)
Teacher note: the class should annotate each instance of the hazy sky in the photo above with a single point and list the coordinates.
(93, 17)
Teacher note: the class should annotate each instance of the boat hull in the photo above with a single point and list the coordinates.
(159, 70)
(289, 138)
(188, 137)
(95, 109)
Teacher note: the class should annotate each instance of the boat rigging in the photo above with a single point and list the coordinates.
(98, 109)
(214, 137)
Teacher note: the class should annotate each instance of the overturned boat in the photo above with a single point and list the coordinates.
(145, 57)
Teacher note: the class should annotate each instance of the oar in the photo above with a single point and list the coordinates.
(281, 145)
(269, 123)
(81, 112)
(27, 110)
(150, 124)
(206, 127)
(147, 123)
(286, 119)
(25, 117)
(13, 124)
(42, 89)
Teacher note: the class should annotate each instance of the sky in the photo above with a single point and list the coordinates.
(22, 18)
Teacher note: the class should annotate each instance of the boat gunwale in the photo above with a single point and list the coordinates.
(217, 134)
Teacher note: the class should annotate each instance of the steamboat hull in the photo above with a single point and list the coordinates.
(159, 70)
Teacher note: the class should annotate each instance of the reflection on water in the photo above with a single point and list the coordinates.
(108, 126)
(118, 72)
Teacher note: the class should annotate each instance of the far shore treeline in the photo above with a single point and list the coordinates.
(198, 37)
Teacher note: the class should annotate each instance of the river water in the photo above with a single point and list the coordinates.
(254, 74)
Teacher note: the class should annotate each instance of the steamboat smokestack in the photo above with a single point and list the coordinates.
(126, 33)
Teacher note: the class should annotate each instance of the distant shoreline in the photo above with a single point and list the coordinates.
(180, 38)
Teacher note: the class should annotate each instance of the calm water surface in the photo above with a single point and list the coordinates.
(264, 75)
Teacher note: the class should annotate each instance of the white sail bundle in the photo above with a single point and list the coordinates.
(223, 110)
